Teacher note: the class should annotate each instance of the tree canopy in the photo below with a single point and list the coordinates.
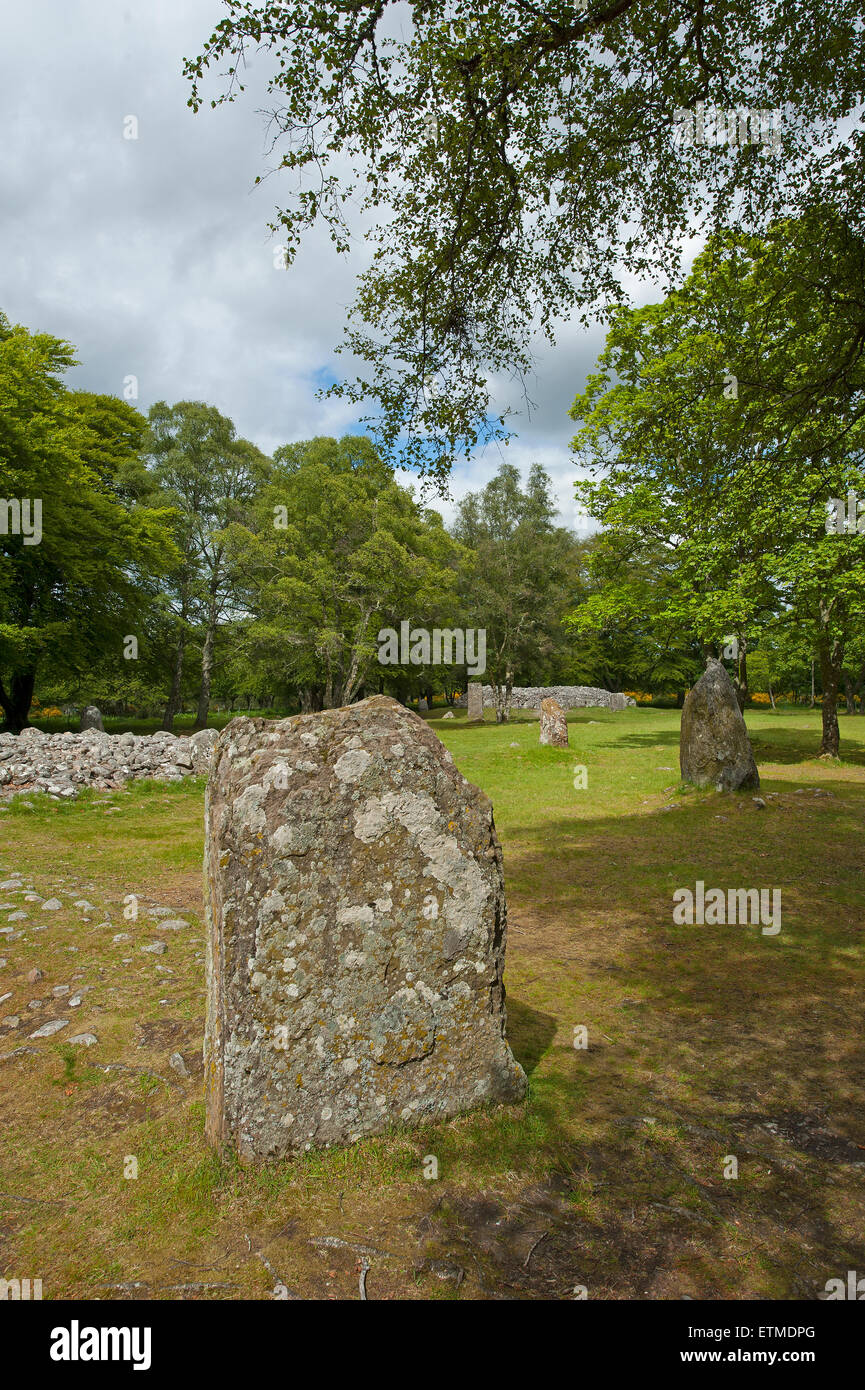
(68, 598)
(518, 160)
(701, 468)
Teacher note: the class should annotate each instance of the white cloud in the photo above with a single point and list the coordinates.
(153, 255)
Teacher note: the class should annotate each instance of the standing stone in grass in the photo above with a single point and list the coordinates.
(714, 749)
(91, 719)
(422, 706)
(476, 700)
(554, 725)
(201, 745)
(356, 933)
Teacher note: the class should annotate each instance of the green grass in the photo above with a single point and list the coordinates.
(703, 1043)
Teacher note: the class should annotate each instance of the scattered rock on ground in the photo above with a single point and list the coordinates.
(48, 1030)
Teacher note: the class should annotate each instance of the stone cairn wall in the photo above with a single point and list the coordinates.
(61, 764)
(568, 696)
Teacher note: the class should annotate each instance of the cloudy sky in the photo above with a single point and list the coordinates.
(153, 255)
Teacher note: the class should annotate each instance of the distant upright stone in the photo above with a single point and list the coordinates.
(201, 745)
(554, 726)
(714, 749)
(476, 700)
(356, 933)
(422, 706)
(91, 719)
(618, 700)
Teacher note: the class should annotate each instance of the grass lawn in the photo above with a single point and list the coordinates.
(705, 1044)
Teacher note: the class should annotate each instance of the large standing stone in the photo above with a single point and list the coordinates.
(91, 719)
(356, 932)
(714, 749)
(554, 725)
(201, 745)
(476, 700)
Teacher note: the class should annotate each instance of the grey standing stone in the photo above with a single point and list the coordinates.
(554, 726)
(422, 706)
(476, 700)
(356, 933)
(714, 749)
(201, 745)
(91, 719)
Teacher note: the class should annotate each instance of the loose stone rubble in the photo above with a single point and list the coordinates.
(61, 764)
(568, 696)
(356, 933)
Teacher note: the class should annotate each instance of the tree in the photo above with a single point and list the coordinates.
(517, 587)
(335, 550)
(210, 478)
(518, 160)
(72, 588)
(621, 624)
(698, 447)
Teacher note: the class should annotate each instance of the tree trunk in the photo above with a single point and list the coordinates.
(813, 701)
(849, 693)
(502, 697)
(206, 672)
(742, 672)
(173, 704)
(831, 661)
(16, 702)
(771, 696)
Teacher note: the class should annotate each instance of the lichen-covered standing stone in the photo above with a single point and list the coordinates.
(714, 748)
(356, 932)
(554, 725)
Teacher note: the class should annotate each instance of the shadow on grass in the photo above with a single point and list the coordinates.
(530, 1033)
(706, 1043)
